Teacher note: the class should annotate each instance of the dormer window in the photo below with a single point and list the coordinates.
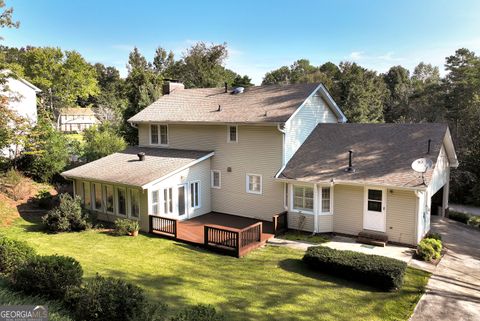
(232, 134)
(158, 134)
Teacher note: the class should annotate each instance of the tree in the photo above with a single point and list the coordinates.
(163, 61)
(46, 150)
(240, 81)
(101, 141)
(13, 127)
(202, 66)
(362, 94)
(142, 87)
(6, 18)
(398, 83)
(278, 76)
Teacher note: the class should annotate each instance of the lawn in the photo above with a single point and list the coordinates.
(305, 237)
(269, 284)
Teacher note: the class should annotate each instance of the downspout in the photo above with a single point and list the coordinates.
(315, 209)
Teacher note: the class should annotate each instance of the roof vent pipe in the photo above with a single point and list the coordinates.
(219, 108)
(350, 168)
(141, 156)
(428, 148)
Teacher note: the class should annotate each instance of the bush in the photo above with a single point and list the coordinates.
(199, 312)
(474, 221)
(13, 254)
(111, 299)
(15, 185)
(51, 276)
(67, 216)
(435, 236)
(125, 226)
(429, 249)
(379, 271)
(458, 216)
(44, 199)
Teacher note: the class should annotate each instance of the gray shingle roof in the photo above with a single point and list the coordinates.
(125, 168)
(383, 153)
(275, 103)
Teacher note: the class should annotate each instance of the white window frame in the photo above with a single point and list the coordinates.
(159, 131)
(228, 134)
(157, 203)
(118, 200)
(320, 200)
(84, 183)
(192, 195)
(292, 202)
(219, 178)
(104, 189)
(129, 210)
(94, 190)
(167, 202)
(247, 180)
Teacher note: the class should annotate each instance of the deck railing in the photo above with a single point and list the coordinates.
(230, 240)
(164, 225)
(280, 223)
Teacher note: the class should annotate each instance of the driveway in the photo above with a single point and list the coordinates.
(453, 291)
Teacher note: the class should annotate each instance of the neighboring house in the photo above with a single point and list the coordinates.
(267, 150)
(22, 98)
(76, 119)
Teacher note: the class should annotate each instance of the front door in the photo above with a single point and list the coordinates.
(374, 217)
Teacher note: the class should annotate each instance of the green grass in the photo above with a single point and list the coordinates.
(9, 297)
(305, 237)
(268, 284)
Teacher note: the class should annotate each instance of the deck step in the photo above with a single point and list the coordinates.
(372, 238)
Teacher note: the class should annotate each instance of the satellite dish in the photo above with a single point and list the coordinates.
(421, 165)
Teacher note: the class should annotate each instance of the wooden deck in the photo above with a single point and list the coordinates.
(232, 234)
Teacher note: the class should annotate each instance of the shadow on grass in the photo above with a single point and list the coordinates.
(299, 267)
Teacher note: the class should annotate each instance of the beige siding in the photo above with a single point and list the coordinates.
(302, 222)
(401, 207)
(348, 209)
(258, 151)
(325, 223)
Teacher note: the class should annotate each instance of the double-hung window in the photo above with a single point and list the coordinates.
(158, 134)
(86, 197)
(194, 195)
(108, 192)
(254, 183)
(97, 194)
(155, 202)
(326, 197)
(134, 203)
(216, 179)
(232, 134)
(121, 201)
(168, 200)
(303, 198)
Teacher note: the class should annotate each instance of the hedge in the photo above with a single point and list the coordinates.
(377, 271)
(13, 254)
(459, 217)
(50, 275)
(429, 249)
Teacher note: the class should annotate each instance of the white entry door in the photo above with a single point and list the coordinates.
(374, 217)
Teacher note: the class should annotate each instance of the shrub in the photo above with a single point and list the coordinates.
(48, 275)
(379, 271)
(111, 299)
(67, 216)
(13, 254)
(15, 185)
(458, 216)
(435, 236)
(199, 312)
(125, 226)
(429, 249)
(44, 199)
(474, 221)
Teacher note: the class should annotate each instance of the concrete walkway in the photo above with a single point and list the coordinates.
(465, 209)
(453, 291)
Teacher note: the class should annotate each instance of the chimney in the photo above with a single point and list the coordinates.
(141, 156)
(170, 86)
(350, 168)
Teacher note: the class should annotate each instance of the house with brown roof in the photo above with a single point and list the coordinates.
(229, 169)
(76, 119)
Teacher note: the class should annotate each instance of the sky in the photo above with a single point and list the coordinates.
(261, 35)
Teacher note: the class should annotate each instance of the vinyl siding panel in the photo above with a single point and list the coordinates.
(301, 222)
(258, 151)
(348, 209)
(325, 223)
(401, 208)
(298, 128)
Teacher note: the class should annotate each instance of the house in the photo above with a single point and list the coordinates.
(263, 151)
(22, 98)
(76, 119)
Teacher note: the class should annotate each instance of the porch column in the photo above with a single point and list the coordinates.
(315, 208)
(446, 189)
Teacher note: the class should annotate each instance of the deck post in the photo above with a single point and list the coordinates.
(150, 224)
(205, 235)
